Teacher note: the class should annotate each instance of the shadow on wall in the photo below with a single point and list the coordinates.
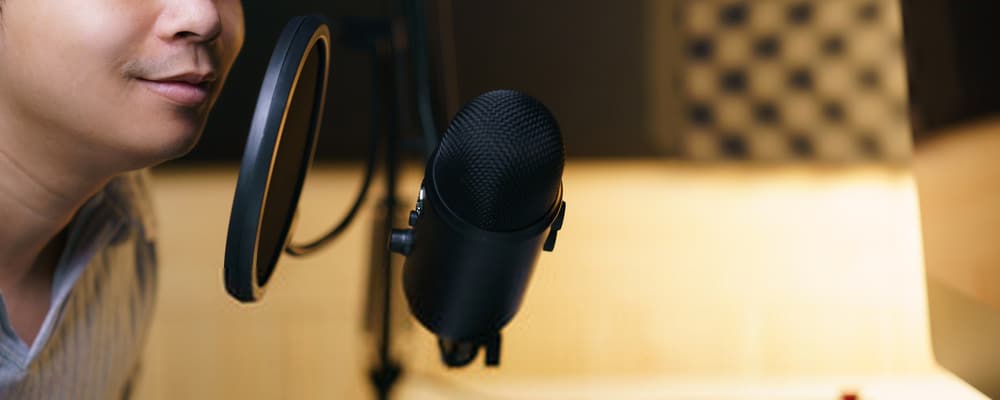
(590, 65)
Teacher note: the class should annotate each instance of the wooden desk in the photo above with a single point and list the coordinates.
(667, 278)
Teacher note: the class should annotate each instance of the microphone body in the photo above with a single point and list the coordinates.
(466, 283)
(490, 202)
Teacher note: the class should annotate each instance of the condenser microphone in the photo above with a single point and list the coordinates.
(491, 200)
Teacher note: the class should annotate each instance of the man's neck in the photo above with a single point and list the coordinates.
(44, 179)
(43, 183)
(46, 175)
(35, 205)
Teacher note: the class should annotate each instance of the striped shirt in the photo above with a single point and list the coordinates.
(103, 289)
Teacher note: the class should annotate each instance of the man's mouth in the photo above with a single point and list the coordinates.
(188, 90)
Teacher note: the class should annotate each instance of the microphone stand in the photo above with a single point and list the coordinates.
(380, 37)
(388, 62)
(386, 371)
(375, 36)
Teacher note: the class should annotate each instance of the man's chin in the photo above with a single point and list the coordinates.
(159, 147)
(179, 148)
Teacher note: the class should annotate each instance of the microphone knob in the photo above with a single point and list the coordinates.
(550, 242)
(401, 241)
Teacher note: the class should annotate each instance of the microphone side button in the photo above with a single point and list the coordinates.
(401, 241)
(550, 241)
(413, 217)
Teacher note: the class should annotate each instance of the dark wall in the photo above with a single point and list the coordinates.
(586, 63)
(953, 61)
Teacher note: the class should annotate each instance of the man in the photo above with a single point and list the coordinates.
(90, 92)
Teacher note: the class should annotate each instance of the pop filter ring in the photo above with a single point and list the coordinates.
(244, 281)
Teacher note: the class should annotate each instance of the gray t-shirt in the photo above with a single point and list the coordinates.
(92, 338)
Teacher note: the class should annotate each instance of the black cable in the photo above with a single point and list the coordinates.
(299, 250)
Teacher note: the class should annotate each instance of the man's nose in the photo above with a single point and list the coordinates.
(196, 21)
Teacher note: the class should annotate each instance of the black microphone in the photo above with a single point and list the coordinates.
(491, 200)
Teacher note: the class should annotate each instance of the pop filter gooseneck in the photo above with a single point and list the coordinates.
(279, 151)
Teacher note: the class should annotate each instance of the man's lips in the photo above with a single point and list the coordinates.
(179, 91)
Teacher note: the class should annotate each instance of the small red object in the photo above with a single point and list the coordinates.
(849, 396)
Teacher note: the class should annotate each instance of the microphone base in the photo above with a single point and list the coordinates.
(384, 377)
(459, 353)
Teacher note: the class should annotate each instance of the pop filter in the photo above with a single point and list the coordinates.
(279, 151)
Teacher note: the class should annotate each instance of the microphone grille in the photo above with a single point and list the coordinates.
(499, 165)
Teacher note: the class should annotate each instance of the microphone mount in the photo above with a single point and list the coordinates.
(462, 352)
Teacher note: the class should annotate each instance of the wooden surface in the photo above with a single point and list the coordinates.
(744, 282)
(958, 177)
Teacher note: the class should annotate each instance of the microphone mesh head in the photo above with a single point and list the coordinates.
(499, 165)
